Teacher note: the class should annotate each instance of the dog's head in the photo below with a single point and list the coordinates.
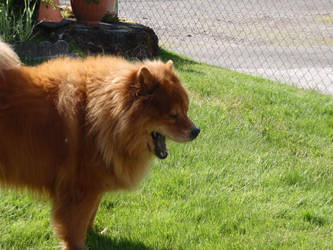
(165, 102)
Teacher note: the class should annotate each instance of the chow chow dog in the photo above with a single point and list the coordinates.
(77, 128)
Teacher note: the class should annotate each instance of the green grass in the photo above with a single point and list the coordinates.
(14, 26)
(259, 176)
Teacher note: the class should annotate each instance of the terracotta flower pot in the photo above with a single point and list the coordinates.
(112, 7)
(49, 13)
(89, 12)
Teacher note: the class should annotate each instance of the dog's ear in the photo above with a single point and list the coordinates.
(145, 82)
(170, 64)
(144, 75)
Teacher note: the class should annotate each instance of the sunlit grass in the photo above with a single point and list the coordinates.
(259, 176)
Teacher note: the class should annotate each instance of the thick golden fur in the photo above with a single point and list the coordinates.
(76, 128)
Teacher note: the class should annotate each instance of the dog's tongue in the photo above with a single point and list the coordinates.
(160, 146)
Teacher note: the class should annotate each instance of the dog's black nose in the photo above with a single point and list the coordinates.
(194, 133)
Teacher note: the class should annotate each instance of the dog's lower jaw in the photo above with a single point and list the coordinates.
(159, 144)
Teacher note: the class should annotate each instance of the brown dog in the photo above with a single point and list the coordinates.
(77, 128)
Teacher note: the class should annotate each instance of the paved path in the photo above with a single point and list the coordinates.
(288, 41)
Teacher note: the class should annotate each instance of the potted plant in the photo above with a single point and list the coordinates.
(49, 11)
(90, 11)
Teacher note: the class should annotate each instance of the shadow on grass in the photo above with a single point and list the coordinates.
(178, 60)
(96, 241)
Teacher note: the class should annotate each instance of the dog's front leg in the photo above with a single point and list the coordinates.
(93, 215)
(71, 215)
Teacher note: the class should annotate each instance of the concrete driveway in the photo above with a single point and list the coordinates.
(283, 40)
(288, 41)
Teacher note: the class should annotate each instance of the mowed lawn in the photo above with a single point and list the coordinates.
(259, 176)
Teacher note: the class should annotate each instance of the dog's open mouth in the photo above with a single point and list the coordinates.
(160, 149)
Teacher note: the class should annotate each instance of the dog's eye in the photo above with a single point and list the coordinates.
(173, 116)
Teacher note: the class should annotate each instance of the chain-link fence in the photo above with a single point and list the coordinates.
(288, 41)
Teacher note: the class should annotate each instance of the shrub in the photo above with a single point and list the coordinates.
(17, 20)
